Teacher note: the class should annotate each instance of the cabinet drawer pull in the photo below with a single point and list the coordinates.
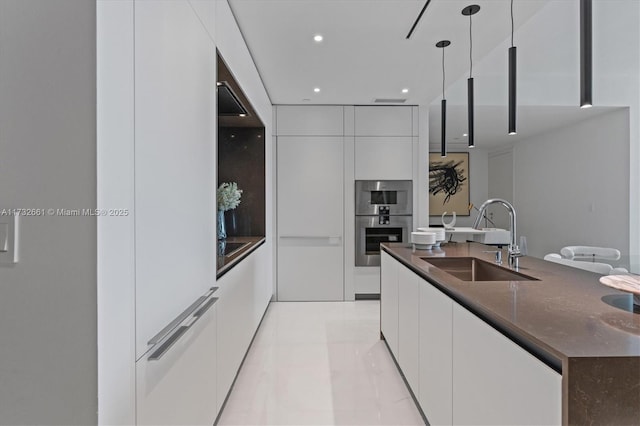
(171, 340)
(165, 331)
(205, 308)
(164, 347)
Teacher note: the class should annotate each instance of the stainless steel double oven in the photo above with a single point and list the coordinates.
(384, 213)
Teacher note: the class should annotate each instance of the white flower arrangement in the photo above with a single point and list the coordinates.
(228, 196)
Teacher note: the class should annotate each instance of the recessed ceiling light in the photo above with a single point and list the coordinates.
(242, 115)
(405, 90)
(465, 134)
(317, 38)
(317, 89)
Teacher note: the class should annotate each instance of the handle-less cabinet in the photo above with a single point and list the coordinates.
(496, 382)
(408, 326)
(310, 218)
(389, 301)
(176, 380)
(436, 334)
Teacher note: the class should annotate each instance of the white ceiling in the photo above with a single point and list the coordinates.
(491, 123)
(365, 56)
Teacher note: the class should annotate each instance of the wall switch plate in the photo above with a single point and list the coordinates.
(9, 236)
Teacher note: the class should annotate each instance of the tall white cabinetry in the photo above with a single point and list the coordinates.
(175, 174)
(461, 370)
(156, 63)
(175, 163)
(385, 148)
(310, 180)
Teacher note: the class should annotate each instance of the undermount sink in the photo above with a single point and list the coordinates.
(474, 269)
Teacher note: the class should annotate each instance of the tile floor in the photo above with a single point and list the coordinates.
(320, 363)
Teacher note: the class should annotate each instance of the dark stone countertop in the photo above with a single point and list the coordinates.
(225, 262)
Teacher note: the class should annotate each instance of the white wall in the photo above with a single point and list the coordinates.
(48, 355)
(571, 185)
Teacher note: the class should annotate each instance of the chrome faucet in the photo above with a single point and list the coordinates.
(513, 250)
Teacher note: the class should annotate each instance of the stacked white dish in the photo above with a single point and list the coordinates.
(423, 240)
(440, 234)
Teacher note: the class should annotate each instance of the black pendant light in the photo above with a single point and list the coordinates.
(470, 11)
(586, 100)
(443, 145)
(512, 81)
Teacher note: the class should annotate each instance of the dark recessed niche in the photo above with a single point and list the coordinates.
(241, 159)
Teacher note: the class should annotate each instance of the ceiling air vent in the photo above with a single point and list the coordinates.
(389, 101)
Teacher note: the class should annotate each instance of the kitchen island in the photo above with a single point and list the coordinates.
(578, 341)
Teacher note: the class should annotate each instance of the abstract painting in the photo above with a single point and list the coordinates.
(449, 184)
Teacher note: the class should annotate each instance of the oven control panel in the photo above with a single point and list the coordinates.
(383, 215)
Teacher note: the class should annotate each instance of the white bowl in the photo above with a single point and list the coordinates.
(440, 233)
(423, 240)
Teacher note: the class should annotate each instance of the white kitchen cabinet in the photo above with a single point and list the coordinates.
(175, 170)
(312, 120)
(436, 334)
(310, 210)
(236, 319)
(384, 121)
(408, 326)
(386, 158)
(496, 382)
(389, 301)
(180, 386)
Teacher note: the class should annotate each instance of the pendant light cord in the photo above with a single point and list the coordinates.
(511, 23)
(443, 73)
(470, 49)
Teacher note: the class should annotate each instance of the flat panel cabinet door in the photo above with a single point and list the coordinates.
(310, 269)
(388, 158)
(496, 382)
(235, 322)
(436, 334)
(310, 218)
(389, 300)
(175, 172)
(313, 120)
(310, 186)
(180, 387)
(408, 323)
(384, 121)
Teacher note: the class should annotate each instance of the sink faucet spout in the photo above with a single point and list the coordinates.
(514, 251)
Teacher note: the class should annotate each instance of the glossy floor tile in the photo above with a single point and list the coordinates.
(320, 363)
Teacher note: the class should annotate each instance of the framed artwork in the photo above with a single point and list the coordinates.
(449, 184)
